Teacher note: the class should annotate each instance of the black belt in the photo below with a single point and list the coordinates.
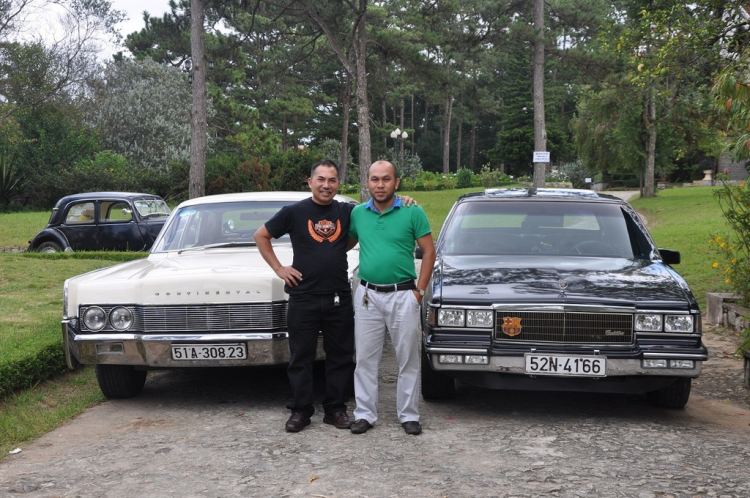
(405, 285)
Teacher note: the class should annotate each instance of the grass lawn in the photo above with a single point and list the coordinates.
(16, 229)
(684, 219)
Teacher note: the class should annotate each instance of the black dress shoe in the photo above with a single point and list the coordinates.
(412, 427)
(361, 426)
(297, 422)
(339, 420)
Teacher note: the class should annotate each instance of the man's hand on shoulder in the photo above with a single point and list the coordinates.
(408, 201)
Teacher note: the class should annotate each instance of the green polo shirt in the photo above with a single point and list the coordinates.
(386, 241)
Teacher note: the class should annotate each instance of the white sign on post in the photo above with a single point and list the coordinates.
(541, 156)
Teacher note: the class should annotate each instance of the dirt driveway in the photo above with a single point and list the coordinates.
(220, 433)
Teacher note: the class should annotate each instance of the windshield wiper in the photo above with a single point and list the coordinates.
(217, 245)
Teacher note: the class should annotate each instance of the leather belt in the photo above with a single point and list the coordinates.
(405, 285)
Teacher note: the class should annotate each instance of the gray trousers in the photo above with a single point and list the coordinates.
(398, 314)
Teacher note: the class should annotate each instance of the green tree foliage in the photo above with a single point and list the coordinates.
(664, 59)
(46, 68)
(734, 249)
(142, 111)
(54, 140)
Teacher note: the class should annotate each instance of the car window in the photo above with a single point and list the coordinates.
(218, 223)
(116, 211)
(151, 207)
(530, 228)
(81, 213)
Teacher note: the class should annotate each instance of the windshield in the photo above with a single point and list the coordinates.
(217, 225)
(539, 227)
(151, 207)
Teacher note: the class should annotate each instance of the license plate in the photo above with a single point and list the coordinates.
(552, 364)
(216, 352)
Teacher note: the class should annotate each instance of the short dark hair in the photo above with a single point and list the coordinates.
(395, 169)
(325, 162)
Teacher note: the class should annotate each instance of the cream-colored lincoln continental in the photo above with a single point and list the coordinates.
(204, 297)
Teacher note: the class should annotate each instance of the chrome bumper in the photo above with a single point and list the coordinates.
(154, 350)
(616, 367)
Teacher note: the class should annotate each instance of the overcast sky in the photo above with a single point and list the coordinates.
(134, 10)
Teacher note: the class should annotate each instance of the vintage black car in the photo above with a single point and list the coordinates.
(102, 221)
(544, 289)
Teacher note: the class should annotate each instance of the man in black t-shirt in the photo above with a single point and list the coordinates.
(320, 298)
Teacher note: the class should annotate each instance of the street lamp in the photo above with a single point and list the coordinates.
(398, 136)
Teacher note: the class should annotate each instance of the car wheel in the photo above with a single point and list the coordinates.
(436, 385)
(120, 381)
(49, 247)
(673, 396)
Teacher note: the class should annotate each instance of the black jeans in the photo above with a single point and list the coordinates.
(308, 316)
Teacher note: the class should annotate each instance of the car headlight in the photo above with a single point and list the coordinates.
(450, 318)
(648, 322)
(678, 323)
(94, 318)
(121, 318)
(479, 318)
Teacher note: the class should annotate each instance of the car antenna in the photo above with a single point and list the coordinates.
(532, 191)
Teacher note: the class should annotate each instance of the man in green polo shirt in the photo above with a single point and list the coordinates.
(388, 298)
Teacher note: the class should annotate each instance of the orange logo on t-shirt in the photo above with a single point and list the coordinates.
(324, 230)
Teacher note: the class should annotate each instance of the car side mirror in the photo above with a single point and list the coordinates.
(418, 252)
(669, 256)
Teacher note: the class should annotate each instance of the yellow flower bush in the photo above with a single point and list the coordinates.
(734, 249)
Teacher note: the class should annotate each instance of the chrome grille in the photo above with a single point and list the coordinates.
(565, 327)
(209, 318)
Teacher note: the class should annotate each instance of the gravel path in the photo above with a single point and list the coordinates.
(220, 433)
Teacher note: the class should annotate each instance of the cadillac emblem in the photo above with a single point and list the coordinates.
(511, 326)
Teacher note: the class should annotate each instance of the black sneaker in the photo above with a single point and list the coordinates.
(361, 426)
(412, 427)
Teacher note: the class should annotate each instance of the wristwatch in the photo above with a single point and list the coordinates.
(420, 291)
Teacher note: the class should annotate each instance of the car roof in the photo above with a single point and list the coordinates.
(540, 193)
(105, 195)
(258, 196)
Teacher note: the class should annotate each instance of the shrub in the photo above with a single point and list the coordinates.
(463, 177)
(493, 177)
(29, 370)
(576, 172)
(734, 249)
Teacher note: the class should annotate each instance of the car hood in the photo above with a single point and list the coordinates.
(214, 276)
(573, 280)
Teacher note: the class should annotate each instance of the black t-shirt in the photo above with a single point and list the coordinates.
(319, 239)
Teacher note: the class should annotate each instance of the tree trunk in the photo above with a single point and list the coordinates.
(346, 106)
(447, 133)
(359, 42)
(198, 116)
(650, 124)
(458, 146)
(401, 145)
(414, 131)
(473, 145)
(384, 115)
(540, 127)
(363, 109)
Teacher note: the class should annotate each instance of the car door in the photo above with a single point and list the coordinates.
(118, 228)
(79, 225)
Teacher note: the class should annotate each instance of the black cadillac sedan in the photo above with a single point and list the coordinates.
(102, 221)
(557, 289)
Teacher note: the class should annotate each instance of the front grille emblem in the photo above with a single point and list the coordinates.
(511, 326)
